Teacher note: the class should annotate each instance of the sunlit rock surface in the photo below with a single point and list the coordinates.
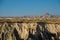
(29, 28)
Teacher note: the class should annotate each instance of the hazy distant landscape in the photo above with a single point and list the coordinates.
(29, 19)
(45, 27)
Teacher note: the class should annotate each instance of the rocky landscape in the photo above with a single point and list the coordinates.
(29, 28)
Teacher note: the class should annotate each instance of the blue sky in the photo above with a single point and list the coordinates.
(29, 7)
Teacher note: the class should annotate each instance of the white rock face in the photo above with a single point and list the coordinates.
(30, 31)
(51, 28)
(58, 27)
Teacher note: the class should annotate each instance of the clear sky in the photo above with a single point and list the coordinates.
(29, 7)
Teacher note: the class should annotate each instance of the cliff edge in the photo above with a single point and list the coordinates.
(29, 28)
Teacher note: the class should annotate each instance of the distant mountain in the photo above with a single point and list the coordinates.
(47, 15)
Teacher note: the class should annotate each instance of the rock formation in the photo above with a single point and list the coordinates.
(29, 29)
